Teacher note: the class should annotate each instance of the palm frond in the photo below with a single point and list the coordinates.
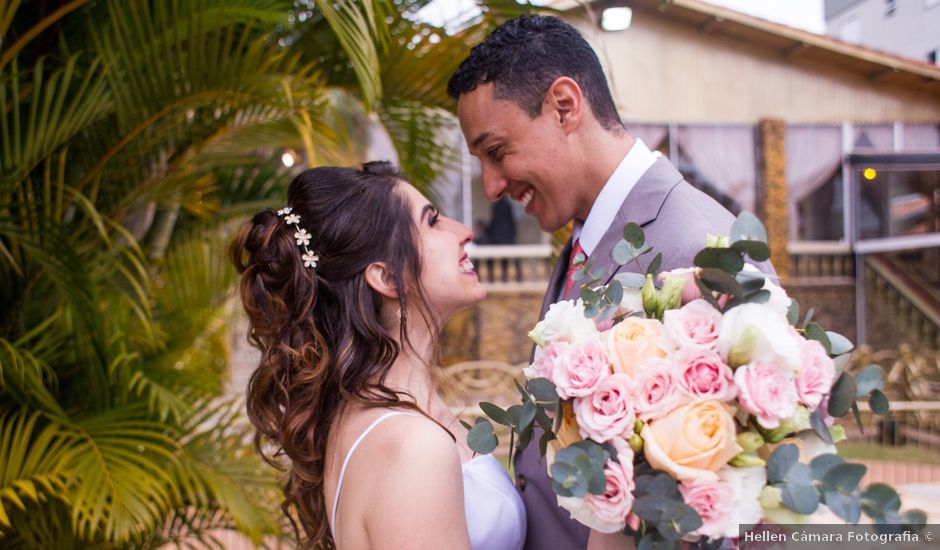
(28, 380)
(55, 106)
(416, 131)
(122, 461)
(361, 34)
(34, 460)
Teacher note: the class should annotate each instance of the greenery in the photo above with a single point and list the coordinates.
(136, 135)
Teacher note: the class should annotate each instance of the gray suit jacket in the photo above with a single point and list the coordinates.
(676, 218)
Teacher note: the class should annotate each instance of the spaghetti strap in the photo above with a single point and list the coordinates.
(349, 453)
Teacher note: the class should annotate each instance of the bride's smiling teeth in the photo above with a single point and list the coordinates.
(526, 197)
(466, 266)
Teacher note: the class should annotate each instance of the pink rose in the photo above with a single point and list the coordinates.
(657, 389)
(690, 290)
(816, 373)
(581, 370)
(617, 500)
(694, 324)
(608, 412)
(713, 502)
(546, 357)
(704, 375)
(767, 392)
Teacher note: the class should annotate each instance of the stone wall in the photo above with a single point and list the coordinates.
(833, 304)
(495, 329)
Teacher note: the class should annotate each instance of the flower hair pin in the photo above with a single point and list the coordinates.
(309, 257)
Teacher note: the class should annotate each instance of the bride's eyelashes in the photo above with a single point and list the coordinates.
(433, 218)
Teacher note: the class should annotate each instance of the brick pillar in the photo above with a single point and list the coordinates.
(772, 190)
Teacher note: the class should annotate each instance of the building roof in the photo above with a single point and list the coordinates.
(796, 45)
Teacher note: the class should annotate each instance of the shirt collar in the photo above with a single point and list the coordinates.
(634, 164)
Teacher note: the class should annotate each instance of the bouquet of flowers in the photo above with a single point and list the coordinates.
(681, 410)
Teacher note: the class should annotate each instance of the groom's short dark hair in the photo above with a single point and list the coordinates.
(524, 55)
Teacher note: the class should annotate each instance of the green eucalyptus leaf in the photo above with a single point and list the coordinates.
(495, 412)
(759, 297)
(842, 396)
(633, 234)
(631, 280)
(868, 379)
(614, 293)
(915, 518)
(748, 228)
(725, 259)
(781, 460)
(879, 402)
(823, 463)
(819, 426)
(816, 332)
(756, 250)
(844, 477)
(547, 436)
(793, 312)
(588, 294)
(655, 265)
(809, 316)
(846, 506)
(721, 281)
(879, 500)
(567, 480)
(514, 413)
(482, 438)
(798, 493)
(466, 424)
(623, 253)
(543, 390)
(527, 415)
(525, 437)
(840, 344)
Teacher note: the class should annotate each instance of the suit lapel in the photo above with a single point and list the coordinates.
(641, 207)
(557, 278)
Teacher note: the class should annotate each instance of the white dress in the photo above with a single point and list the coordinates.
(494, 510)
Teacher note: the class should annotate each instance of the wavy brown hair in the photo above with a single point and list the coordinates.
(318, 330)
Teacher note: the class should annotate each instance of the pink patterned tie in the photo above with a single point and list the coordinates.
(572, 269)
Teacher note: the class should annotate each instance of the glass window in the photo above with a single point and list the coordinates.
(896, 202)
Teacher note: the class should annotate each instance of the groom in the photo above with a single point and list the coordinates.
(535, 108)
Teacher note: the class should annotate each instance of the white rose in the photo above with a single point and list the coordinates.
(779, 301)
(754, 332)
(746, 485)
(565, 321)
(582, 513)
(632, 301)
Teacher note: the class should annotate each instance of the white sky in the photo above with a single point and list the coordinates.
(802, 14)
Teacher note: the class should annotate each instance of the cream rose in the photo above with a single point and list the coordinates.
(632, 341)
(692, 442)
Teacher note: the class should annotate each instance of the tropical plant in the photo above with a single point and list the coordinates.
(134, 135)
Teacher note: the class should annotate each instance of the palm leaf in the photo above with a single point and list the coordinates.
(362, 35)
(33, 462)
(122, 461)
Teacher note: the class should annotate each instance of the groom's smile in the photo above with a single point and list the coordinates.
(526, 158)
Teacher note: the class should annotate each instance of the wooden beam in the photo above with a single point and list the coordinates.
(708, 26)
(794, 49)
(772, 190)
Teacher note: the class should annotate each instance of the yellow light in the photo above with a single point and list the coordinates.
(870, 174)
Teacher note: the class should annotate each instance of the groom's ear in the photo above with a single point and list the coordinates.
(379, 278)
(565, 102)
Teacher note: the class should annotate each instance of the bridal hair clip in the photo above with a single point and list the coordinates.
(310, 258)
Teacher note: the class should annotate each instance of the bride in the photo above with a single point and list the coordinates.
(347, 289)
